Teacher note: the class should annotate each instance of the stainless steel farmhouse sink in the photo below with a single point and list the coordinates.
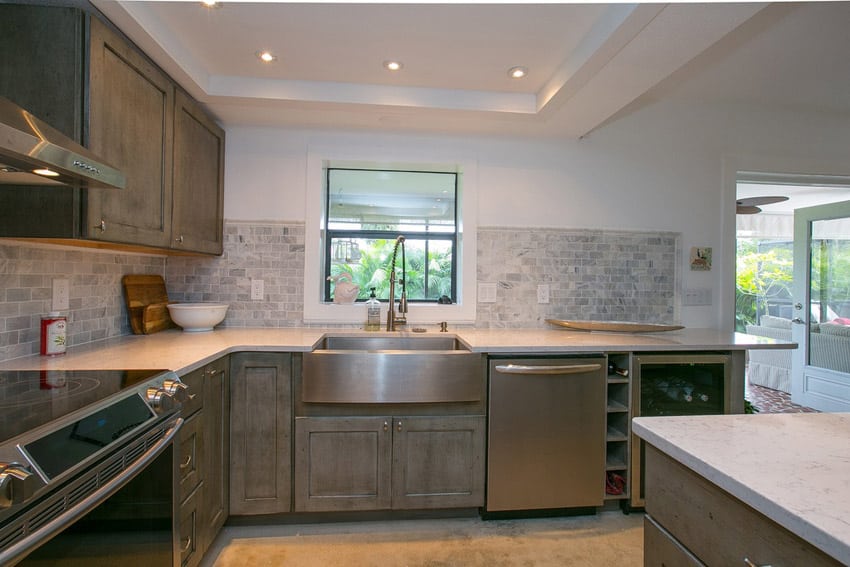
(390, 343)
(391, 369)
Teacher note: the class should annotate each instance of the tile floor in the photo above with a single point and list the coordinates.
(767, 400)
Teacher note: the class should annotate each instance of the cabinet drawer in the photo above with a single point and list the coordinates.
(716, 527)
(190, 548)
(195, 394)
(191, 455)
(660, 549)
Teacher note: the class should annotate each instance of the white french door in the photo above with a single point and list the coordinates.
(820, 367)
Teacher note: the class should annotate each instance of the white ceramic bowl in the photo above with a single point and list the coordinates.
(197, 317)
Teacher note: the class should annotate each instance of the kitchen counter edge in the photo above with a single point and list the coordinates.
(793, 468)
(183, 352)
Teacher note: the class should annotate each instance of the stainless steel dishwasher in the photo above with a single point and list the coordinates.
(546, 434)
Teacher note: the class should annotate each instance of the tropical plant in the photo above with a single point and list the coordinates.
(760, 277)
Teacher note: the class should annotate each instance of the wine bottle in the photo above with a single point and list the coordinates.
(614, 369)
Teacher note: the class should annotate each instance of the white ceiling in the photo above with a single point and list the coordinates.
(588, 63)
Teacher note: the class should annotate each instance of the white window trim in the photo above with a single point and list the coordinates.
(316, 311)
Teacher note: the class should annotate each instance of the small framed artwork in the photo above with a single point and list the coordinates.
(700, 258)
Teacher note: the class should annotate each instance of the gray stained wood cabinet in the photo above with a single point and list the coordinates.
(203, 460)
(693, 522)
(85, 79)
(260, 428)
(389, 462)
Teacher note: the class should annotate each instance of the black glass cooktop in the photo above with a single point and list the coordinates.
(30, 398)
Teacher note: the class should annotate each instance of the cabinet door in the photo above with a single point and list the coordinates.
(41, 56)
(438, 462)
(215, 501)
(260, 429)
(342, 463)
(198, 189)
(131, 110)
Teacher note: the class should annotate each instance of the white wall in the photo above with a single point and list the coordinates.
(668, 166)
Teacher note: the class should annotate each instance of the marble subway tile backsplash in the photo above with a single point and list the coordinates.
(272, 252)
(592, 275)
(96, 299)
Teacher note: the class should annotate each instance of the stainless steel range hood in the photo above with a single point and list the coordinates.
(29, 146)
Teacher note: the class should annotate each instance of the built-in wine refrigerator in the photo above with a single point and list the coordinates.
(679, 384)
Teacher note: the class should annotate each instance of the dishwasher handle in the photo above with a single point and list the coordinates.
(556, 369)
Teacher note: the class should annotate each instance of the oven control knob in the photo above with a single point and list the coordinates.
(161, 400)
(176, 389)
(17, 483)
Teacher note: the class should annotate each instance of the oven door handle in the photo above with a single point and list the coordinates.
(25, 546)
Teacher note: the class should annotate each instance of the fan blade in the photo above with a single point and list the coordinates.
(747, 210)
(757, 201)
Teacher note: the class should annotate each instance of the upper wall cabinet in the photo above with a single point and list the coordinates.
(85, 79)
(198, 213)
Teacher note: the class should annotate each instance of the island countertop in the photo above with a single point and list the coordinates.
(793, 468)
(183, 352)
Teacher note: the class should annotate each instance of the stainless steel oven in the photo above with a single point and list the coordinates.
(88, 468)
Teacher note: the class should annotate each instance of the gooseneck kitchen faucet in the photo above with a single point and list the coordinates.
(392, 320)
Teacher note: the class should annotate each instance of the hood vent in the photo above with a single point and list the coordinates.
(34, 153)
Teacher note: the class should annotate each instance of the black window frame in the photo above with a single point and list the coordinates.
(330, 234)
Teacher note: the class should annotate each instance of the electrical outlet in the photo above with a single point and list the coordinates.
(61, 295)
(487, 293)
(543, 293)
(697, 296)
(257, 292)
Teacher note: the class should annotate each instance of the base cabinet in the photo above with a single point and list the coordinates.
(381, 463)
(203, 464)
(260, 428)
(692, 521)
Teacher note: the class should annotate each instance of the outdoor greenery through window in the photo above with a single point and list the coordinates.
(367, 209)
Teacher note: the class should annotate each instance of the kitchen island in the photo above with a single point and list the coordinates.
(774, 489)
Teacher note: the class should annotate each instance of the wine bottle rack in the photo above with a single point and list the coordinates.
(618, 426)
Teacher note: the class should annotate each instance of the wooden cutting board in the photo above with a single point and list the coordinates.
(147, 303)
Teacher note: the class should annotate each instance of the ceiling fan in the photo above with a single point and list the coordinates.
(750, 205)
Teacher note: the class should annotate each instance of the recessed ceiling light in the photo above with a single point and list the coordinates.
(266, 56)
(393, 65)
(517, 72)
(45, 172)
(211, 3)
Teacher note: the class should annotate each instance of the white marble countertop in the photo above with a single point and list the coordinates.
(793, 468)
(183, 352)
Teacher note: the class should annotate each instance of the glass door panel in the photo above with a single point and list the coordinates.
(821, 364)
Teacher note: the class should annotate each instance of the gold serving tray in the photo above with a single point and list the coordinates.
(614, 326)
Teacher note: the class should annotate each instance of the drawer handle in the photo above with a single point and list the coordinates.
(186, 546)
(560, 369)
(749, 563)
(192, 396)
(386, 426)
(398, 426)
(185, 464)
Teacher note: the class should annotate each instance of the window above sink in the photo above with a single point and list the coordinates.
(335, 233)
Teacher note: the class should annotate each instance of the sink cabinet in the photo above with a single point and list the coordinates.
(260, 429)
(389, 462)
(203, 460)
(80, 75)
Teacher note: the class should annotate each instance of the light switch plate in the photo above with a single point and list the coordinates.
(543, 293)
(257, 291)
(61, 294)
(487, 293)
